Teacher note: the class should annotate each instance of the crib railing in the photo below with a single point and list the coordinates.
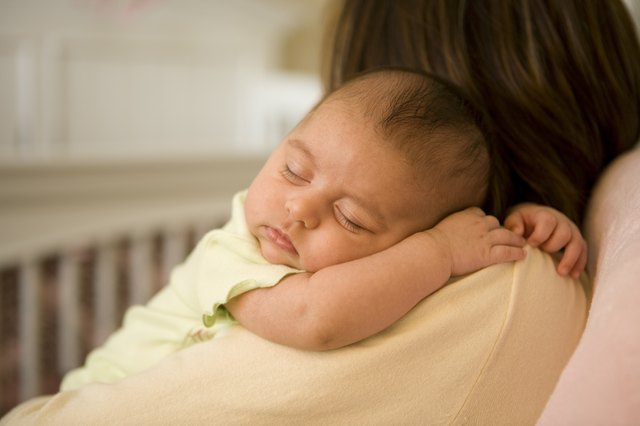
(79, 244)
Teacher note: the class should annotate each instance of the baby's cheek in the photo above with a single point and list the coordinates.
(328, 257)
(315, 259)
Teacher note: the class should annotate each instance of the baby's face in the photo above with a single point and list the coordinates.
(333, 192)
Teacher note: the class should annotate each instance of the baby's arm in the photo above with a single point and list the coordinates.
(345, 303)
(552, 231)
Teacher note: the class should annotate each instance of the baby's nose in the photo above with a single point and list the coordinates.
(304, 210)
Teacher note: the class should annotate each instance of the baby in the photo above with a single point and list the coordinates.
(366, 208)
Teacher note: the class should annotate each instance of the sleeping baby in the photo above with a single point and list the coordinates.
(367, 207)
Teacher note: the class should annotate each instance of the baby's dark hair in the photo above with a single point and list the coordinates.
(432, 124)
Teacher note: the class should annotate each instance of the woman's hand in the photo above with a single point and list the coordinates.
(551, 231)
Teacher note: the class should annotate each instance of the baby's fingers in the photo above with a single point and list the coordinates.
(544, 228)
(515, 223)
(502, 236)
(562, 236)
(580, 265)
(506, 246)
(500, 254)
(574, 258)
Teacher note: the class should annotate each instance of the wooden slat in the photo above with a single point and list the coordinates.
(105, 293)
(140, 288)
(29, 329)
(68, 312)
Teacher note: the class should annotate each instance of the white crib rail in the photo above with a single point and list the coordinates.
(79, 243)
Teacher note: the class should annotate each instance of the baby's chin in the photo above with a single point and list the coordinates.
(306, 266)
(277, 258)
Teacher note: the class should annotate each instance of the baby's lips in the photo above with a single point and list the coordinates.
(281, 240)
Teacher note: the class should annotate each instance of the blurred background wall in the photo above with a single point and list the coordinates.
(154, 78)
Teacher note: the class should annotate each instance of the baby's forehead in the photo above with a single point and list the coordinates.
(419, 154)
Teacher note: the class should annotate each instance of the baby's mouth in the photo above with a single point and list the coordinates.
(280, 239)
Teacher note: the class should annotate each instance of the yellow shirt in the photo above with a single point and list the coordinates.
(225, 263)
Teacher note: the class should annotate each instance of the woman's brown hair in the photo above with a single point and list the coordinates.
(558, 81)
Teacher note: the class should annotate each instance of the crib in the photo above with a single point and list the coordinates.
(80, 242)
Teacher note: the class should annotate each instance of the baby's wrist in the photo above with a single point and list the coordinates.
(440, 248)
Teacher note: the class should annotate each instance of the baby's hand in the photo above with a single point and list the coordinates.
(552, 231)
(474, 240)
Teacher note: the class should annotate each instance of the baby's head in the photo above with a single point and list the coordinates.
(388, 154)
(432, 126)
